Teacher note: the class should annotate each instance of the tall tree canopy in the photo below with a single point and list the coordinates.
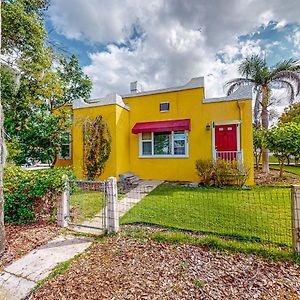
(35, 79)
(255, 72)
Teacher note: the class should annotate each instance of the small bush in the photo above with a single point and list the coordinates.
(221, 172)
(32, 195)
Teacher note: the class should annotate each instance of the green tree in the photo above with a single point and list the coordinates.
(291, 114)
(75, 83)
(255, 72)
(284, 140)
(258, 141)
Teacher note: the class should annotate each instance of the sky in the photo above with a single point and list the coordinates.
(163, 43)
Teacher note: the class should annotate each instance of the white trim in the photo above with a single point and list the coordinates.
(172, 155)
(60, 157)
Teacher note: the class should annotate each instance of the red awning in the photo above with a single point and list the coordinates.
(161, 126)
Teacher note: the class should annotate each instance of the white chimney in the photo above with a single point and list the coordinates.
(135, 87)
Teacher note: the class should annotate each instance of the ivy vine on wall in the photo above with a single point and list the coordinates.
(96, 146)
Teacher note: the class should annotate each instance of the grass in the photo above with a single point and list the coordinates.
(290, 169)
(257, 215)
(273, 159)
(85, 204)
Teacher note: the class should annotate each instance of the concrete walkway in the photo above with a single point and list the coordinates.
(143, 188)
(17, 280)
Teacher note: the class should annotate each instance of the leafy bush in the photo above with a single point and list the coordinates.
(221, 172)
(32, 195)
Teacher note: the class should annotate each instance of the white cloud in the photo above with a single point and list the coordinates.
(180, 38)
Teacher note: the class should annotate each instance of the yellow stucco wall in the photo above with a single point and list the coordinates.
(108, 112)
(183, 104)
(186, 104)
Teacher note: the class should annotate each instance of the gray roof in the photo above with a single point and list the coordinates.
(243, 92)
(192, 84)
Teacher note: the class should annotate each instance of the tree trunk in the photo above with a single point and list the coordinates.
(2, 163)
(265, 124)
(2, 158)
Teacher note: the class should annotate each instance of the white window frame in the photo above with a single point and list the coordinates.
(60, 157)
(172, 155)
(164, 110)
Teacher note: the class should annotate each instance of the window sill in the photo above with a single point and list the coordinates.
(163, 156)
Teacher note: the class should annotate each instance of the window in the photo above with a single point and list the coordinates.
(164, 106)
(164, 144)
(65, 145)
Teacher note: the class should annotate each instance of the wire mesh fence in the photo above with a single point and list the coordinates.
(259, 215)
(86, 201)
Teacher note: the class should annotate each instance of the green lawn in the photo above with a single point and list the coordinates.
(273, 159)
(85, 204)
(290, 169)
(261, 214)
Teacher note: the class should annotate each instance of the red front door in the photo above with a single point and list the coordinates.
(226, 141)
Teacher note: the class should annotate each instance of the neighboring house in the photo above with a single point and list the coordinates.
(160, 134)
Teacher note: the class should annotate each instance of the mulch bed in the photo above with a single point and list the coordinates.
(273, 178)
(128, 268)
(24, 238)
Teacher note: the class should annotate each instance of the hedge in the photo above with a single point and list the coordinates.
(31, 196)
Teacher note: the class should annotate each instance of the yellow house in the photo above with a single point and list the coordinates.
(160, 134)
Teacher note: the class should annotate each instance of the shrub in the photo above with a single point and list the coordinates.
(205, 170)
(221, 172)
(32, 195)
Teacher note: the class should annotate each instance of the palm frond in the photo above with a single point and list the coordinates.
(234, 84)
(252, 66)
(288, 86)
(286, 65)
(291, 76)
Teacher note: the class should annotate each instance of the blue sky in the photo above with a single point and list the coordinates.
(166, 42)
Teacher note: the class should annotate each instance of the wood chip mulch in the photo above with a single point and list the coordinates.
(128, 268)
(273, 178)
(24, 238)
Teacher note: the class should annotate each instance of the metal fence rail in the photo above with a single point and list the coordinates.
(265, 215)
(260, 215)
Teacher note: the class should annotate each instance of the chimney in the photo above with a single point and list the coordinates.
(135, 87)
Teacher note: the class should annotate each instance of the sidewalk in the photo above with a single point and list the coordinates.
(17, 280)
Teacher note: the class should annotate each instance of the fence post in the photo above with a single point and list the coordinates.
(63, 204)
(296, 217)
(112, 205)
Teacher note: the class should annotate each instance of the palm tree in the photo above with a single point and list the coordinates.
(264, 79)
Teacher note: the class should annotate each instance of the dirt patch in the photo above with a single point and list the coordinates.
(128, 268)
(273, 178)
(24, 238)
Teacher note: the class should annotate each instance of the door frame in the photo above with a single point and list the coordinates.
(238, 134)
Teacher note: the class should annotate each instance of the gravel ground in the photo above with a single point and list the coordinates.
(128, 268)
(24, 238)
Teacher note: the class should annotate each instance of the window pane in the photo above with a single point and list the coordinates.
(65, 151)
(147, 148)
(165, 106)
(179, 135)
(162, 143)
(179, 147)
(146, 136)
